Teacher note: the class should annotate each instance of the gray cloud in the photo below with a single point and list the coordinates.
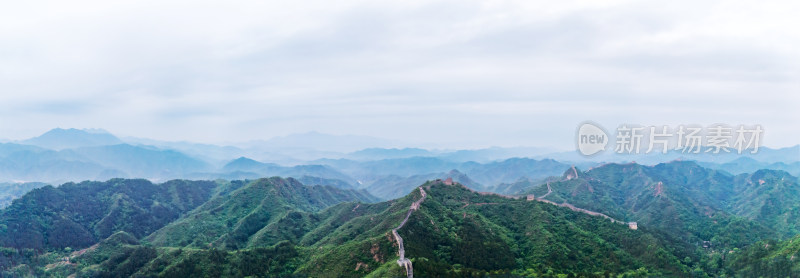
(454, 73)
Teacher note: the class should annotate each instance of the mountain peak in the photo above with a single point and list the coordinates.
(59, 138)
(62, 131)
(571, 173)
(243, 159)
(243, 163)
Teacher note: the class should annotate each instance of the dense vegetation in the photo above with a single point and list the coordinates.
(78, 215)
(254, 214)
(458, 232)
(768, 258)
(692, 222)
(704, 213)
(455, 232)
(53, 220)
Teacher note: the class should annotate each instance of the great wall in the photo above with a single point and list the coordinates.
(406, 263)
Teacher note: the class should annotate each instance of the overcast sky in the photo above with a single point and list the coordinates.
(451, 73)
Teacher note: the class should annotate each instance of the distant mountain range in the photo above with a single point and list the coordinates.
(749, 165)
(764, 155)
(23, 163)
(58, 139)
(347, 161)
(11, 191)
(254, 169)
(323, 142)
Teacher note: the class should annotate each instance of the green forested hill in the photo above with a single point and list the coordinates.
(703, 212)
(455, 232)
(52, 220)
(78, 215)
(249, 214)
(692, 222)
(768, 258)
(770, 197)
(690, 201)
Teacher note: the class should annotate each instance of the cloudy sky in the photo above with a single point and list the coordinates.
(449, 73)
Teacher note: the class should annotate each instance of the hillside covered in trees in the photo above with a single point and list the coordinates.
(690, 221)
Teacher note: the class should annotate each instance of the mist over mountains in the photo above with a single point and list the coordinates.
(349, 161)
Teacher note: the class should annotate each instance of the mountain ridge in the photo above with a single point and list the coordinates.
(59, 138)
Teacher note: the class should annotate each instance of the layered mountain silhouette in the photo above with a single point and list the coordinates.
(120, 207)
(58, 139)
